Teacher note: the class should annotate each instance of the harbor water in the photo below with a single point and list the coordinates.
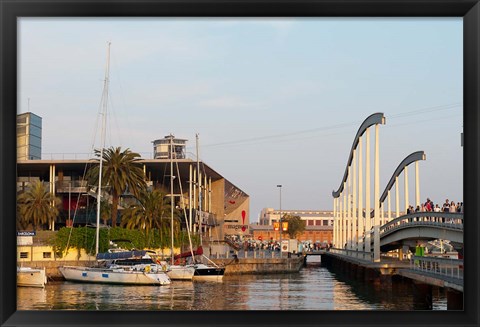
(314, 287)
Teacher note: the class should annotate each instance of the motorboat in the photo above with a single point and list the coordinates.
(32, 277)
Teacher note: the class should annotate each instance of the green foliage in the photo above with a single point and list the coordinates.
(120, 170)
(84, 238)
(152, 210)
(34, 206)
(296, 225)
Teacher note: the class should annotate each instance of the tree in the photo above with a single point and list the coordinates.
(121, 171)
(296, 225)
(37, 206)
(152, 210)
(105, 211)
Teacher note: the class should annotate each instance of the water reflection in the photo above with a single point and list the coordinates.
(313, 288)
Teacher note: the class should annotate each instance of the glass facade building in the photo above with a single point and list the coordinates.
(29, 136)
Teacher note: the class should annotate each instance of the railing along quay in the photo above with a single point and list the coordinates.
(253, 254)
(450, 268)
(362, 255)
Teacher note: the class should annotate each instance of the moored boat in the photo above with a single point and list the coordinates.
(149, 275)
(125, 267)
(32, 277)
(208, 273)
(180, 272)
(115, 267)
(202, 272)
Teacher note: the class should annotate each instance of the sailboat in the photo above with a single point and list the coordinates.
(176, 271)
(111, 267)
(204, 272)
(199, 270)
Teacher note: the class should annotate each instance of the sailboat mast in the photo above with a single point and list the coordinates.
(102, 145)
(171, 194)
(200, 217)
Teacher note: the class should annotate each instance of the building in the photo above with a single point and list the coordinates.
(169, 147)
(312, 217)
(224, 208)
(319, 225)
(29, 136)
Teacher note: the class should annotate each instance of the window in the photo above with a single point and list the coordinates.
(23, 255)
(47, 255)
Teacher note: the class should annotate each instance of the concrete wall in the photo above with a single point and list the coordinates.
(260, 266)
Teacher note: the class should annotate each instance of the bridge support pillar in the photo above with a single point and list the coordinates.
(454, 300)
(370, 275)
(422, 296)
(360, 272)
(402, 251)
(387, 281)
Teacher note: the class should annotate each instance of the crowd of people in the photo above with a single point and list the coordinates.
(241, 243)
(448, 206)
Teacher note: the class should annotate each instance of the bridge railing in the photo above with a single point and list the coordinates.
(362, 255)
(452, 268)
(451, 220)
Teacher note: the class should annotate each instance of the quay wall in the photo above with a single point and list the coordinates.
(260, 266)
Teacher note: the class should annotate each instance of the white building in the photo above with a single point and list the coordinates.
(312, 217)
(162, 150)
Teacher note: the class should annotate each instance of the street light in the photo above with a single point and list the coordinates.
(280, 220)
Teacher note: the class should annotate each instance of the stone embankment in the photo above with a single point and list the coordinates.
(239, 266)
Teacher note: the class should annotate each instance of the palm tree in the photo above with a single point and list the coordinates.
(121, 170)
(151, 211)
(105, 211)
(35, 206)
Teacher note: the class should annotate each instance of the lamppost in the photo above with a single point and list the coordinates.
(280, 220)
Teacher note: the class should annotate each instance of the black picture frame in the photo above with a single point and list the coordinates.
(11, 10)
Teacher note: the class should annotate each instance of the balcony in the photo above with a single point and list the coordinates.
(71, 186)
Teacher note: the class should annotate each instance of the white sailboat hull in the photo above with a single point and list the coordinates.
(181, 272)
(114, 276)
(31, 277)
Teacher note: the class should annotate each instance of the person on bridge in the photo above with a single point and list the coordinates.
(453, 207)
(446, 206)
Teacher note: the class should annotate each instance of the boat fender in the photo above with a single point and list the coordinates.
(164, 267)
(147, 268)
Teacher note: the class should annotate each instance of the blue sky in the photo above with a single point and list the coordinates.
(275, 101)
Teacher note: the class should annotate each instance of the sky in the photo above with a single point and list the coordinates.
(274, 101)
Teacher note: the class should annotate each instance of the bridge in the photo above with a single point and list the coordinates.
(369, 233)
